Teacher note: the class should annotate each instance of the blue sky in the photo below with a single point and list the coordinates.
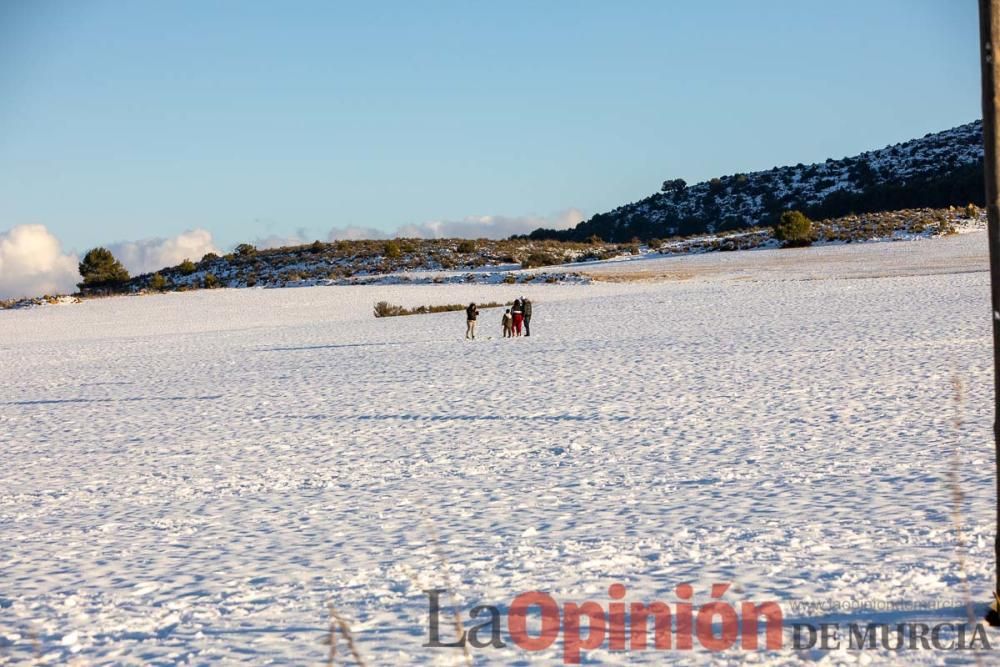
(127, 120)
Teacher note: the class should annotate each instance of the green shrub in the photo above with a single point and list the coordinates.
(539, 259)
(467, 246)
(209, 257)
(186, 267)
(794, 230)
(210, 281)
(971, 211)
(391, 250)
(100, 269)
(157, 283)
(245, 250)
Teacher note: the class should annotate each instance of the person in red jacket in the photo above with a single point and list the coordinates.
(518, 314)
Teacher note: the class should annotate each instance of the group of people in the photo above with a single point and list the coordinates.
(515, 319)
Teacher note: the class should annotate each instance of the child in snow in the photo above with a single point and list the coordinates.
(508, 324)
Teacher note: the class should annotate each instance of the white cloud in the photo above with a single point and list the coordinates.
(355, 234)
(300, 237)
(153, 254)
(490, 226)
(32, 263)
(471, 227)
(276, 241)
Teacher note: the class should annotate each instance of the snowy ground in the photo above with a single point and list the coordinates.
(193, 477)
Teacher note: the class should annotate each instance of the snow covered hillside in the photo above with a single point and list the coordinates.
(193, 477)
(937, 170)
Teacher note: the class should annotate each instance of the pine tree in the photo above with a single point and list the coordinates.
(100, 269)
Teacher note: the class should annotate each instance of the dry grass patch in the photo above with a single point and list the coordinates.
(386, 309)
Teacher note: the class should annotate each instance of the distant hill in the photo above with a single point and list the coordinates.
(939, 170)
(490, 261)
(457, 261)
(374, 262)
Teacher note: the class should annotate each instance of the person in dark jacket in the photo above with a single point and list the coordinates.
(471, 313)
(526, 309)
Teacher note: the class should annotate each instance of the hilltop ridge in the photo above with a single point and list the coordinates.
(938, 170)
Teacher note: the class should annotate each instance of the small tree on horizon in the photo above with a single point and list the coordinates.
(100, 269)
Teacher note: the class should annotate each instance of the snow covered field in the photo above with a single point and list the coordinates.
(193, 477)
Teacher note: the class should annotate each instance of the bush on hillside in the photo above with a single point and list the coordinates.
(945, 228)
(794, 230)
(157, 283)
(539, 259)
(391, 250)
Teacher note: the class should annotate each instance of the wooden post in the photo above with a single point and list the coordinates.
(989, 39)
